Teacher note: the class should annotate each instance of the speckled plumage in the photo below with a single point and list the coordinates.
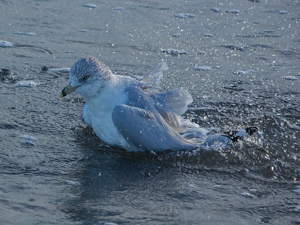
(90, 66)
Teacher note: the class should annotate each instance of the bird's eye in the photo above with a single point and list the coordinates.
(86, 77)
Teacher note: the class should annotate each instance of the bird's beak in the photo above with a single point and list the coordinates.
(67, 90)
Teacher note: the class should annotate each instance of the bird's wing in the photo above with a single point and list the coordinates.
(156, 104)
(144, 130)
(177, 100)
(153, 78)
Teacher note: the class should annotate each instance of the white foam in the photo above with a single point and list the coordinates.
(26, 83)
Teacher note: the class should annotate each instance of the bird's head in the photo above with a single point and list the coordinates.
(88, 77)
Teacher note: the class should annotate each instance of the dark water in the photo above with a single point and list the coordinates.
(67, 176)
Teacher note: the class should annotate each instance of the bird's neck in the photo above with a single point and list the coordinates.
(108, 98)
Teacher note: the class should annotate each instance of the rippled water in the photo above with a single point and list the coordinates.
(61, 173)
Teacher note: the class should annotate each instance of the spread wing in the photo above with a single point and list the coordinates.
(144, 130)
(147, 122)
(153, 78)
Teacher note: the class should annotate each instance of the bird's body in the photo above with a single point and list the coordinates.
(133, 114)
(99, 115)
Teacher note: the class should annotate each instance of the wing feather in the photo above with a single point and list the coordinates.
(144, 130)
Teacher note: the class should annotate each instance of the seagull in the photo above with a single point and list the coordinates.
(133, 114)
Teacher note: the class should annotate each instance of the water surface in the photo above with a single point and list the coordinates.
(68, 176)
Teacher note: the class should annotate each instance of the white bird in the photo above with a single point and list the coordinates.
(132, 114)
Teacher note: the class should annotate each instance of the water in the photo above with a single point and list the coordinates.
(61, 173)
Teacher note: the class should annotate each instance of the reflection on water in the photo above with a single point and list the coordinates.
(65, 174)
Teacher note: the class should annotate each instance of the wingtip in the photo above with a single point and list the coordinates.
(164, 66)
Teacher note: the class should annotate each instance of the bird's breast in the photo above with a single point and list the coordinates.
(105, 129)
